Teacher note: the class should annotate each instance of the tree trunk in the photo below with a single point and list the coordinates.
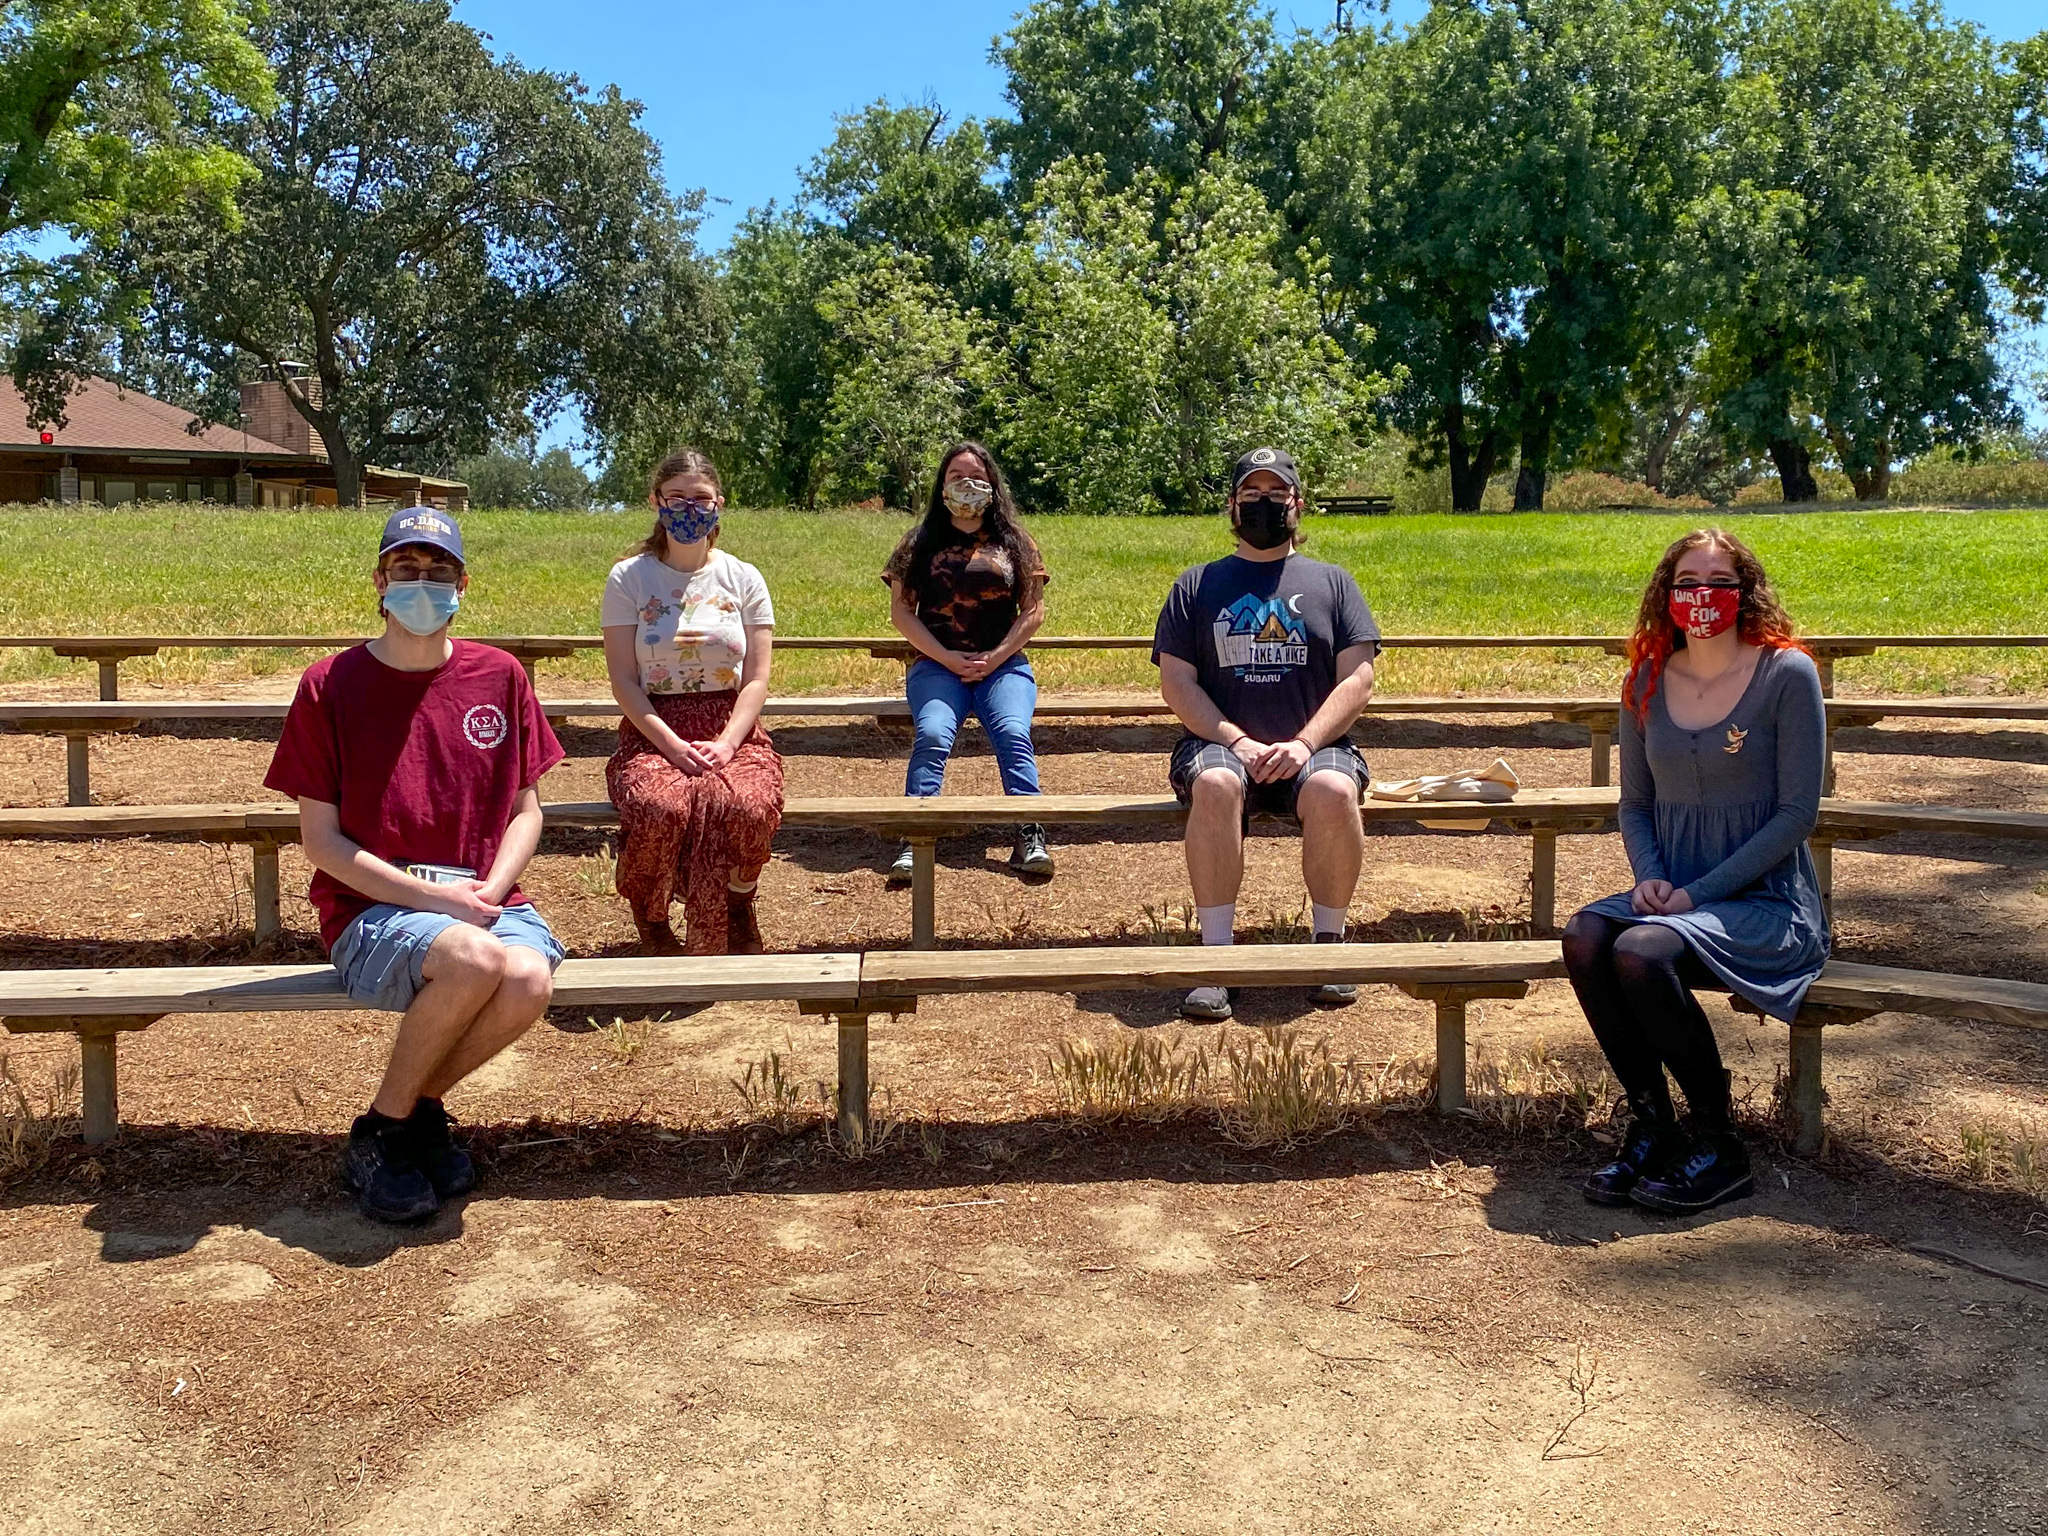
(1532, 474)
(1795, 469)
(1660, 450)
(1873, 483)
(1470, 468)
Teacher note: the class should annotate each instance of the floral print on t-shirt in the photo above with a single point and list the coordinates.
(700, 636)
(689, 629)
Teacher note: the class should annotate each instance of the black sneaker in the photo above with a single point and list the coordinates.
(1711, 1170)
(1652, 1142)
(1333, 994)
(380, 1167)
(1030, 858)
(446, 1165)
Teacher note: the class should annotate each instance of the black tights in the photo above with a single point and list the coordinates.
(1635, 982)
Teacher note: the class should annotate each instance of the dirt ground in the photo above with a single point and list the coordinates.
(664, 1311)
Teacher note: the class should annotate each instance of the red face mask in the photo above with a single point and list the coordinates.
(1703, 611)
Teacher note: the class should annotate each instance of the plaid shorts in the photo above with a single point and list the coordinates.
(1192, 756)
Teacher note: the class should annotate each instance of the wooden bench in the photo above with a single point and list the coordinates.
(1355, 506)
(109, 651)
(101, 1005)
(1542, 815)
(1449, 975)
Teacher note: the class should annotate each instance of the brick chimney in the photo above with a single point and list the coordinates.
(268, 413)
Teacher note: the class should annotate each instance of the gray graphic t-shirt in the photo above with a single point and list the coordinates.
(1263, 636)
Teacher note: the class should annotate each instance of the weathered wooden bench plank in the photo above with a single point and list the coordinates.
(1541, 814)
(100, 1005)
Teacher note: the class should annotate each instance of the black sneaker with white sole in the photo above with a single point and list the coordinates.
(1333, 994)
(445, 1164)
(380, 1167)
(1030, 857)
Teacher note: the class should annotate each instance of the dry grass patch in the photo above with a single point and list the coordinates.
(33, 1118)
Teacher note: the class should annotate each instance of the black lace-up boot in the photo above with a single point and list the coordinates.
(1711, 1169)
(1650, 1143)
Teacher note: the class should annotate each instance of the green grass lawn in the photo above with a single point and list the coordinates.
(173, 570)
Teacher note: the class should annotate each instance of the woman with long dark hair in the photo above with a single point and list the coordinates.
(1723, 744)
(688, 636)
(967, 589)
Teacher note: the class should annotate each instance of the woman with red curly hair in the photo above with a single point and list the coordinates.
(1723, 741)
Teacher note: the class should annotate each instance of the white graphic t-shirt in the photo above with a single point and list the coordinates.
(690, 628)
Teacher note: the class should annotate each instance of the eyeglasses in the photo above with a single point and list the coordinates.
(443, 571)
(679, 503)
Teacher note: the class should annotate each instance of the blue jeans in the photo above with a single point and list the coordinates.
(1002, 701)
(382, 954)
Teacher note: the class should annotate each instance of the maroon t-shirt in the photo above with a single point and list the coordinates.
(425, 766)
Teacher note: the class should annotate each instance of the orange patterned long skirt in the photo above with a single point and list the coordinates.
(681, 835)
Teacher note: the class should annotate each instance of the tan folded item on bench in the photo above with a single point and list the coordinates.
(1489, 785)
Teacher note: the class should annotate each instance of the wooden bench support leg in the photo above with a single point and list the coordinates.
(263, 891)
(853, 1079)
(528, 663)
(1804, 1090)
(924, 893)
(1602, 742)
(1543, 882)
(77, 768)
(1450, 1056)
(110, 680)
(1823, 850)
(1827, 770)
(97, 1084)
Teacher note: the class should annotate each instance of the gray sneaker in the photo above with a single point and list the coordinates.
(1030, 858)
(904, 869)
(1208, 1005)
(1333, 994)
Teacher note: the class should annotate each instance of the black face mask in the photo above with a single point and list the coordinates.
(1263, 523)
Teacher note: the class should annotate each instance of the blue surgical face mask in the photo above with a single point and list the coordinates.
(422, 606)
(689, 522)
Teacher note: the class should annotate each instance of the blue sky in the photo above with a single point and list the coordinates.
(740, 96)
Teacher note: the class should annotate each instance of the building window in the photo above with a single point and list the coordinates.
(117, 492)
(163, 490)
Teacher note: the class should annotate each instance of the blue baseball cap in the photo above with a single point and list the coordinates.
(421, 525)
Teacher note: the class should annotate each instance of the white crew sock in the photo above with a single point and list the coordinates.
(1330, 919)
(741, 887)
(1218, 923)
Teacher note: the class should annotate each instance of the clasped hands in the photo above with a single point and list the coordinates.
(1269, 762)
(1659, 898)
(695, 757)
(971, 666)
(481, 902)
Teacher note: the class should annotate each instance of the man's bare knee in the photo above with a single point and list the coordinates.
(1216, 789)
(467, 956)
(1328, 795)
(527, 979)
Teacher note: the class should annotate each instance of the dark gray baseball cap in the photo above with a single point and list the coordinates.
(1275, 461)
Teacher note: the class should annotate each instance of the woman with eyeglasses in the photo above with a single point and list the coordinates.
(1723, 745)
(689, 632)
(967, 588)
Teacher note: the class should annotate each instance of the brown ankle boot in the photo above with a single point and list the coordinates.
(742, 931)
(656, 937)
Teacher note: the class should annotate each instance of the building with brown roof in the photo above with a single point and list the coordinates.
(118, 445)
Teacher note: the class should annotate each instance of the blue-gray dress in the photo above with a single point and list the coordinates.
(1724, 813)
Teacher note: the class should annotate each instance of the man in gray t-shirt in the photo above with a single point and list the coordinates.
(1266, 656)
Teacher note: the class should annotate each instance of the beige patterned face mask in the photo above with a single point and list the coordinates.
(967, 497)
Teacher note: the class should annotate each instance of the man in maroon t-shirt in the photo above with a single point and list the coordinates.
(416, 761)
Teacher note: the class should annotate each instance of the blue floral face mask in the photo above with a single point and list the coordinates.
(422, 606)
(689, 521)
